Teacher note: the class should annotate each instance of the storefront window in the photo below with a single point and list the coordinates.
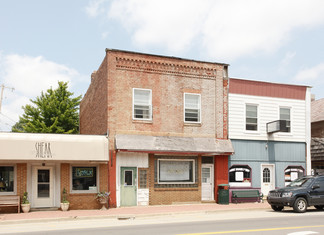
(176, 171)
(240, 176)
(84, 178)
(292, 173)
(6, 179)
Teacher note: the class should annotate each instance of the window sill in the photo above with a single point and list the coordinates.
(143, 121)
(198, 124)
(244, 184)
(7, 193)
(251, 132)
(175, 189)
(75, 192)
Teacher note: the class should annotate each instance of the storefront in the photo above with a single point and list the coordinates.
(45, 164)
(156, 170)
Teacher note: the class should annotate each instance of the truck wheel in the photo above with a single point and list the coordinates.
(319, 207)
(277, 208)
(300, 205)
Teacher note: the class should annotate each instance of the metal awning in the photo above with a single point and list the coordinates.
(170, 144)
(53, 147)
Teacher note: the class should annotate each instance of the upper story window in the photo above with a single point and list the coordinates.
(142, 104)
(285, 115)
(251, 117)
(192, 108)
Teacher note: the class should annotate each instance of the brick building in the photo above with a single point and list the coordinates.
(44, 164)
(166, 118)
(317, 147)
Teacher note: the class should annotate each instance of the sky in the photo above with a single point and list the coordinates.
(43, 42)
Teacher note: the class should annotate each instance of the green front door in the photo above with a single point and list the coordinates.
(128, 186)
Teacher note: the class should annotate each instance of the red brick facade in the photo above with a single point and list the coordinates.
(83, 201)
(108, 105)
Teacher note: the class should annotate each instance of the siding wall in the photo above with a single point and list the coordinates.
(255, 153)
(268, 110)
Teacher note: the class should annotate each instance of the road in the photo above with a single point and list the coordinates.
(235, 222)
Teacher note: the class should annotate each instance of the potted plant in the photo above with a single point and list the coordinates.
(64, 203)
(25, 205)
(102, 198)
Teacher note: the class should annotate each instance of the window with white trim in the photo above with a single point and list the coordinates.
(84, 178)
(192, 108)
(292, 173)
(240, 175)
(142, 104)
(285, 115)
(251, 117)
(7, 179)
(176, 171)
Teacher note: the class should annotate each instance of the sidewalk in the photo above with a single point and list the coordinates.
(129, 212)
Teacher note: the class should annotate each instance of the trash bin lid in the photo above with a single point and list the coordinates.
(223, 185)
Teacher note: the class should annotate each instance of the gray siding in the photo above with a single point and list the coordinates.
(254, 153)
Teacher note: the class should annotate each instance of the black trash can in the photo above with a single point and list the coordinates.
(223, 194)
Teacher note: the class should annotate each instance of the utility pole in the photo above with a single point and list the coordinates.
(1, 96)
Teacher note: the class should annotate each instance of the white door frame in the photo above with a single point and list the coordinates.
(43, 202)
(211, 166)
(265, 188)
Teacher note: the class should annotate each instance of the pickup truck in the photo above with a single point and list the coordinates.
(302, 193)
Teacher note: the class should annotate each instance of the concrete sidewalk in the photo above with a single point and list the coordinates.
(129, 212)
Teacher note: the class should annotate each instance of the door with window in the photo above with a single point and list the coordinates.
(43, 186)
(128, 186)
(207, 182)
(267, 179)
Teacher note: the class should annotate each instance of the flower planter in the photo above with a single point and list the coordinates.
(65, 206)
(103, 201)
(25, 208)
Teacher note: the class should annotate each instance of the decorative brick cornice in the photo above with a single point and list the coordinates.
(164, 68)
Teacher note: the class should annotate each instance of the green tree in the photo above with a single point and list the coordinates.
(52, 112)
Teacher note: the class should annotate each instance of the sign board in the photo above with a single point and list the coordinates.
(276, 126)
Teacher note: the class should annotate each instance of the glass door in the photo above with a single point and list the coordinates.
(43, 186)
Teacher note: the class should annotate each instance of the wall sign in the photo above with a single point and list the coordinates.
(43, 150)
(84, 172)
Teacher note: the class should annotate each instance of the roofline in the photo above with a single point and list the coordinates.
(277, 83)
(163, 56)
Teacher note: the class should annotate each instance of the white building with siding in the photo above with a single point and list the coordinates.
(266, 158)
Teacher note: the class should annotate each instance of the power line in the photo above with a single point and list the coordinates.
(1, 95)
(8, 118)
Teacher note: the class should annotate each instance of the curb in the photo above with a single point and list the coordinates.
(122, 217)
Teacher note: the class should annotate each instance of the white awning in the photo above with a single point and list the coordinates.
(204, 146)
(54, 147)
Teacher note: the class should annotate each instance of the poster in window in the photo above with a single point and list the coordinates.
(84, 172)
(293, 175)
(239, 176)
(174, 170)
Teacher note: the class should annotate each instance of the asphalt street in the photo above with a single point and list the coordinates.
(234, 222)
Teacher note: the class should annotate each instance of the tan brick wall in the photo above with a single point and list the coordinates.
(167, 196)
(81, 200)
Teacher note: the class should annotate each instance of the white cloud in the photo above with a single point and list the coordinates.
(315, 73)
(95, 8)
(29, 76)
(226, 29)
(288, 58)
